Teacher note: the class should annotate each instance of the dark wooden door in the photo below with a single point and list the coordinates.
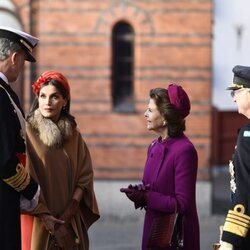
(225, 125)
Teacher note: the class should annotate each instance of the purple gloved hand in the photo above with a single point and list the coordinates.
(137, 194)
(142, 187)
(138, 187)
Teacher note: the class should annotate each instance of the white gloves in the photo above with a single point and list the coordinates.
(226, 246)
(29, 205)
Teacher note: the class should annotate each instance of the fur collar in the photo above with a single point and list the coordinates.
(50, 133)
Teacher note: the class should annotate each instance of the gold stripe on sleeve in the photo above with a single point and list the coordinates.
(20, 180)
(237, 222)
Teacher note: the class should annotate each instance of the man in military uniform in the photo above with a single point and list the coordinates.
(17, 188)
(236, 233)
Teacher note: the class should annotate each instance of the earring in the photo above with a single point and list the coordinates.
(164, 123)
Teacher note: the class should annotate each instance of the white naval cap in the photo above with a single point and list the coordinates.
(27, 41)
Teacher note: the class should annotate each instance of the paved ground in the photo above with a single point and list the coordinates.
(111, 235)
(126, 235)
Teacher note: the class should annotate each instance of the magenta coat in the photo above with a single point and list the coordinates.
(171, 170)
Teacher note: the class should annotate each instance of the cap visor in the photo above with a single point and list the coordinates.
(232, 88)
(30, 57)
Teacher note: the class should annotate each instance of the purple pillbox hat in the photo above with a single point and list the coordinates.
(179, 99)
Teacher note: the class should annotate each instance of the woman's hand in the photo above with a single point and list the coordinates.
(65, 237)
(137, 194)
(50, 221)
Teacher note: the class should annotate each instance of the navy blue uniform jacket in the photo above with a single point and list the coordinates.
(236, 227)
(14, 180)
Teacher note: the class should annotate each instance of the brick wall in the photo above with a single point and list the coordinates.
(172, 44)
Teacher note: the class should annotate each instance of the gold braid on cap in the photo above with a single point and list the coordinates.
(235, 85)
(26, 45)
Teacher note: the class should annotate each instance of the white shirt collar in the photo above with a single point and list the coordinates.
(4, 77)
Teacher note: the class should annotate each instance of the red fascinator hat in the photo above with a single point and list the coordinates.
(48, 76)
(179, 99)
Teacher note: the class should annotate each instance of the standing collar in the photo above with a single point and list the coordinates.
(4, 77)
(159, 139)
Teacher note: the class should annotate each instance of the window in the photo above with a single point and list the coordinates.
(123, 67)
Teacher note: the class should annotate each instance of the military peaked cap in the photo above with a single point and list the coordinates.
(241, 78)
(27, 41)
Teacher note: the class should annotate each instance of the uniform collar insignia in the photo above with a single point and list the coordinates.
(246, 133)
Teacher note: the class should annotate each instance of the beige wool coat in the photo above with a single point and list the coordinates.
(60, 161)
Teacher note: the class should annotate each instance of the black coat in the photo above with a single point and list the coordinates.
(11, 143)
(236, 229)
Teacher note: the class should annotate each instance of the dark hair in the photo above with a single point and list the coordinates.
(175, 122)
(66, 110)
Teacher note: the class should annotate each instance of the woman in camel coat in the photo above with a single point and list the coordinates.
(60, 161)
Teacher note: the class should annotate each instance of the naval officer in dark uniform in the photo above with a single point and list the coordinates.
(236, 233)
(17, 188)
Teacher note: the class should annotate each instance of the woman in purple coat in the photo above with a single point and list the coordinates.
(170, 171)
